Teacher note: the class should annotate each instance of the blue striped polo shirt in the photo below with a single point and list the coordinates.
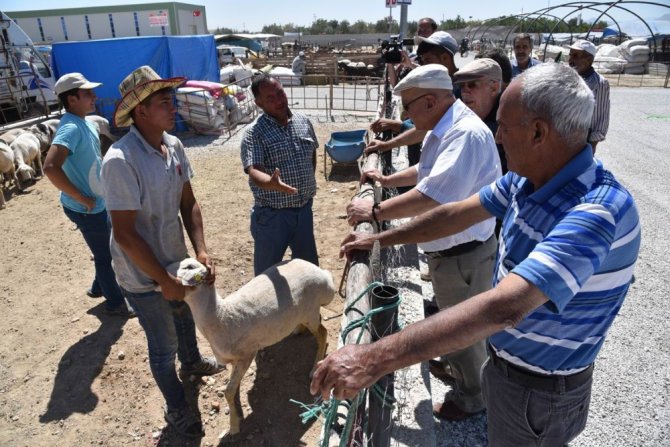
(577, 239)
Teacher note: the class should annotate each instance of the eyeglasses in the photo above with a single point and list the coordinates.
(406, 106)
(471, 85)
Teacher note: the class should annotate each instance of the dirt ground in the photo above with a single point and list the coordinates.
(73, 376)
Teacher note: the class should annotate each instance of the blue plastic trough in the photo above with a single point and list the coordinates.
(345, 147)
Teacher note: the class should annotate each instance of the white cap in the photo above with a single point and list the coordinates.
(441, 39)
(71, 81)
(431, 76)
(301, 53)
(585, 45)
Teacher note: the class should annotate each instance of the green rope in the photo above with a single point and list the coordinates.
(387, 400)
(329, 408)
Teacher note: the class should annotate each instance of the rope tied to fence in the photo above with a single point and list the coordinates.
(329, 408)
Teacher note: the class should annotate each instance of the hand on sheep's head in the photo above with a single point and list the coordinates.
(204, 258)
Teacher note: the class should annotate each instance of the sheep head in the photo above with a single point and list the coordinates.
(44, 134)
(25, 172)
(191, 272)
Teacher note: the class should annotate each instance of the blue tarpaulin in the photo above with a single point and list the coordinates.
(110, 60)
(635, 28)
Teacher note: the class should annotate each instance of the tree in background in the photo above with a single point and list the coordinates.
(529, 25)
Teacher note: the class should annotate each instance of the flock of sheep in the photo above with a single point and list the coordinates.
(22, 151)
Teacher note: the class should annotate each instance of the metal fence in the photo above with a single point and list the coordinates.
(328, 93)
(658, 75)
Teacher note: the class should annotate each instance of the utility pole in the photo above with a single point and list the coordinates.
(403, 21)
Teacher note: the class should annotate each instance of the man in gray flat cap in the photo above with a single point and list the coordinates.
(481, 86)
(458, 158)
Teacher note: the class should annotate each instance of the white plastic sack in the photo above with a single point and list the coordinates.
(196, 109)
(608, 50)
(626, 45)
(638, 69)
(285, 76)
(194, 95)
(609, 64)
(639, 50)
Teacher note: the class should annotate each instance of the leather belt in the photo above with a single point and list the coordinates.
(456, 250)
(550, 383)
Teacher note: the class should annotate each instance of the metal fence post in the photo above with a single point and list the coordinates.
(379, 409)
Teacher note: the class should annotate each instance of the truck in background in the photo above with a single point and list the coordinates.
(26, 79)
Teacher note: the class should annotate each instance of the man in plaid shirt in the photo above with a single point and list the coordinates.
(279, 155)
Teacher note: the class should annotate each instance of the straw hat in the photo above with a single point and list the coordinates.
(137, 87)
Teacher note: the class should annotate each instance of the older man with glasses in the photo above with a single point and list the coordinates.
(481, 86)
(458, 158)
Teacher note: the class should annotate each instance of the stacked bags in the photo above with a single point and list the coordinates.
(210, 107)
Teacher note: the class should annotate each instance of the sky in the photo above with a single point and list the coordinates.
(253, 14)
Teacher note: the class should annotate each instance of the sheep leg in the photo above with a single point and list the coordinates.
(232, 392)
(38, 164)
(321, 335)
(17, 183)
(2, 194)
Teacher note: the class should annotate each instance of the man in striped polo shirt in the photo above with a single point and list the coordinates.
(279, 154)
(569, 242)
(582, 53)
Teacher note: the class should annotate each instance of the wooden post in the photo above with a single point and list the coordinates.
(358, 279)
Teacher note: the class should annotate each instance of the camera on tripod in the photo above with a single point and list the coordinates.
(392, 49)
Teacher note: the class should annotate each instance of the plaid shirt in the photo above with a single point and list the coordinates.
(269, 145)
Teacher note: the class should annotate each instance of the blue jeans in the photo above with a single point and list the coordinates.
(523, 416)
(170, 330)
(276, 229)
(96, 231)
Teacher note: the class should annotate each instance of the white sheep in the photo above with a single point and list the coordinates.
(9, 136)
(26, 148)
(45, 135)
(7, 170)
(106, 137)
(261, 313)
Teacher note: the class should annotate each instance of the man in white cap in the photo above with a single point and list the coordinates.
(582, 53)
(438, 48)
(73, 166)
(458, 158)
(299, 65)
(146, 178)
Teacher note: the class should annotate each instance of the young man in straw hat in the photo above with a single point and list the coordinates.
(73, 166)
(146, 178)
